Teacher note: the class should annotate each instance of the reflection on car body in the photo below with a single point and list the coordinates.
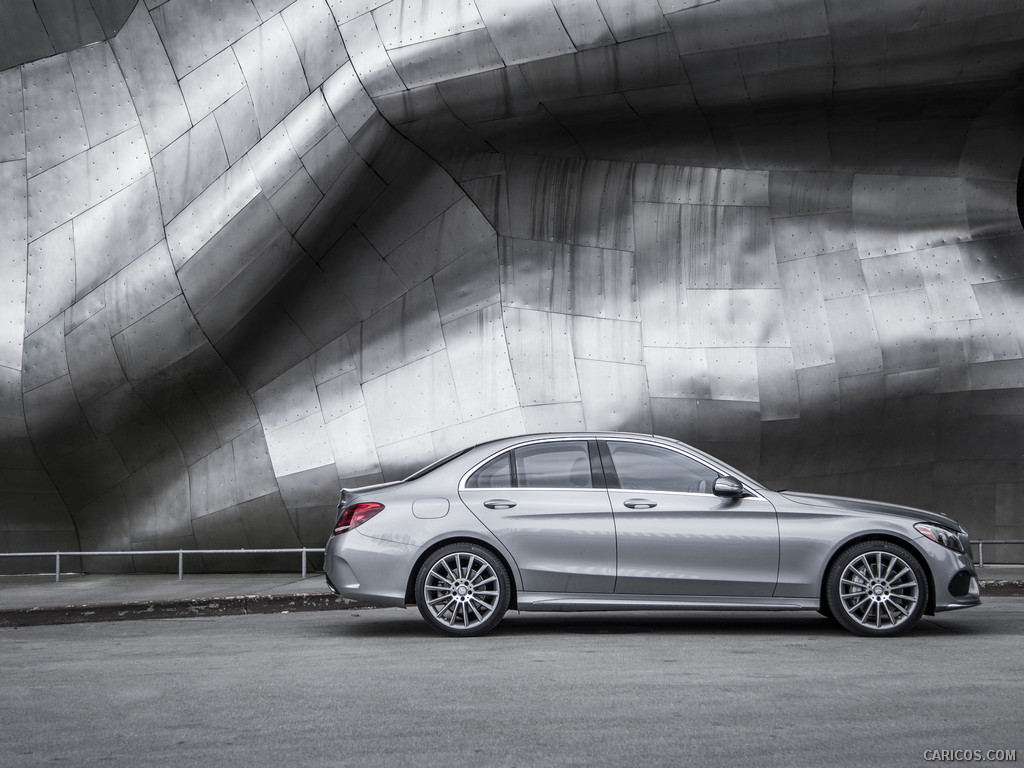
(612, 521)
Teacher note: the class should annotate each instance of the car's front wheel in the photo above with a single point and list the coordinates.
(877, 588)
(462, 589)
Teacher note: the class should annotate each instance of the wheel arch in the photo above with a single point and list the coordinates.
(899, 541)
(410, 587)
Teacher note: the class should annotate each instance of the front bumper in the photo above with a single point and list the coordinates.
(955, 580)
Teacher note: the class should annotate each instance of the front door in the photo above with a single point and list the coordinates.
(676, 537)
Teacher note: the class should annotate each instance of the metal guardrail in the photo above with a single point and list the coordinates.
(179, 552)
(304, 551)
(981, 546)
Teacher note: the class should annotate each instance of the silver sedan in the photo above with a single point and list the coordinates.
(611, 521)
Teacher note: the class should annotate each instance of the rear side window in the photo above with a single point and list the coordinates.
(643, 467)
(496, 473)
(554, 465)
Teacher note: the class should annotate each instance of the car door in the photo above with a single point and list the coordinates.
(545, 501)
(676, 537)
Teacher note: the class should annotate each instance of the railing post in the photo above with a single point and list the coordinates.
(981, 554)
(181, 566)
(303, 562)
(56, 568)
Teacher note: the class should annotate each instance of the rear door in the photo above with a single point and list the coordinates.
(676, 537)
(545, 501)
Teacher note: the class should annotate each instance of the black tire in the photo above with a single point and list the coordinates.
(877, 589)
(462, 589)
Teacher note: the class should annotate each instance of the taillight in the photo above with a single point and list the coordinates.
(355, 515)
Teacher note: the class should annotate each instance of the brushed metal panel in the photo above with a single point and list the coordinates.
(630, 19)
(905, 331)
(893, 274)
(369, 56)
(151, 81)
(22, 35)
(114, 408)
(614, 396)
(677, 373)
(732, 374)
(92, 362)
(327, 160)
(348, 100)
(796, 237)
(425, 63)
(806, 319)
(403, 209)
(479, 360)
(211, 84)
(661, 289)
(12, 116)
(106, 103)
(716, 26)
(274, 160)
(423, 104)
(396, 416)
(254, 472)
(239, 130)
(991, 207)
(300, 446)
(165, 335)
(854, 337)
(141, 287)
(50, 284)
(401, 459)
(540, 348)
(311, 488)
(469, 283)
(777, 388)
(309, 122)
(317, 39)
(738, 318)
(316, 305)
(458, 230)
(189, 165)
(55, 420)
(1003, 318)
(556, 417)
(211, 212)
(993, 259)
(841, 275)
(535, 31)
(404, 331)
(192, 34)
(72, 187)
(491, 95)
(404, 22)
(289, 398)
(334, 359)
(296, 198)
(585, 23)
(339, 396)
(898, 213)
(13, 262)
(361, 274)
(352, 443)
(112, 234)
(491, 197)
(54, 124)
(728, 246)
(272, 72)
(614, 341)
(801, 193)
(112, 14)
(947, 283)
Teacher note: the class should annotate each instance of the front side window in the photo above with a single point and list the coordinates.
(554, 465)
(644, 467)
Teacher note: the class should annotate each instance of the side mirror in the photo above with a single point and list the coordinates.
(729, 487)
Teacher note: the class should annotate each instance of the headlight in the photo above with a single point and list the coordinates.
(940, 535)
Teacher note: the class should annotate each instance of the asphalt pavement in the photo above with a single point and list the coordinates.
(27, 600)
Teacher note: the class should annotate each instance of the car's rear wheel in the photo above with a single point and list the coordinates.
(877, 588)
(462, 589)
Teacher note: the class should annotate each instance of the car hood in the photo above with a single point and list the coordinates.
(873, 507)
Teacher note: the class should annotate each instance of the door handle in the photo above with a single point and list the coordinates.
(499, 504)
(640, 504)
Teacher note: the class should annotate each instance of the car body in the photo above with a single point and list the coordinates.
(615, 521)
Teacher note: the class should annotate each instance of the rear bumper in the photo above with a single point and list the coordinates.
(366, 569)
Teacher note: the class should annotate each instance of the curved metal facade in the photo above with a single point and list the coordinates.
(257, 249)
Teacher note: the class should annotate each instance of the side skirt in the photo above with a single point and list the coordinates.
(556, 601)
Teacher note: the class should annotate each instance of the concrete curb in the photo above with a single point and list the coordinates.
(239, 605)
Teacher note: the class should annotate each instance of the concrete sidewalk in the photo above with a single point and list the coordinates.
(39, 599)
